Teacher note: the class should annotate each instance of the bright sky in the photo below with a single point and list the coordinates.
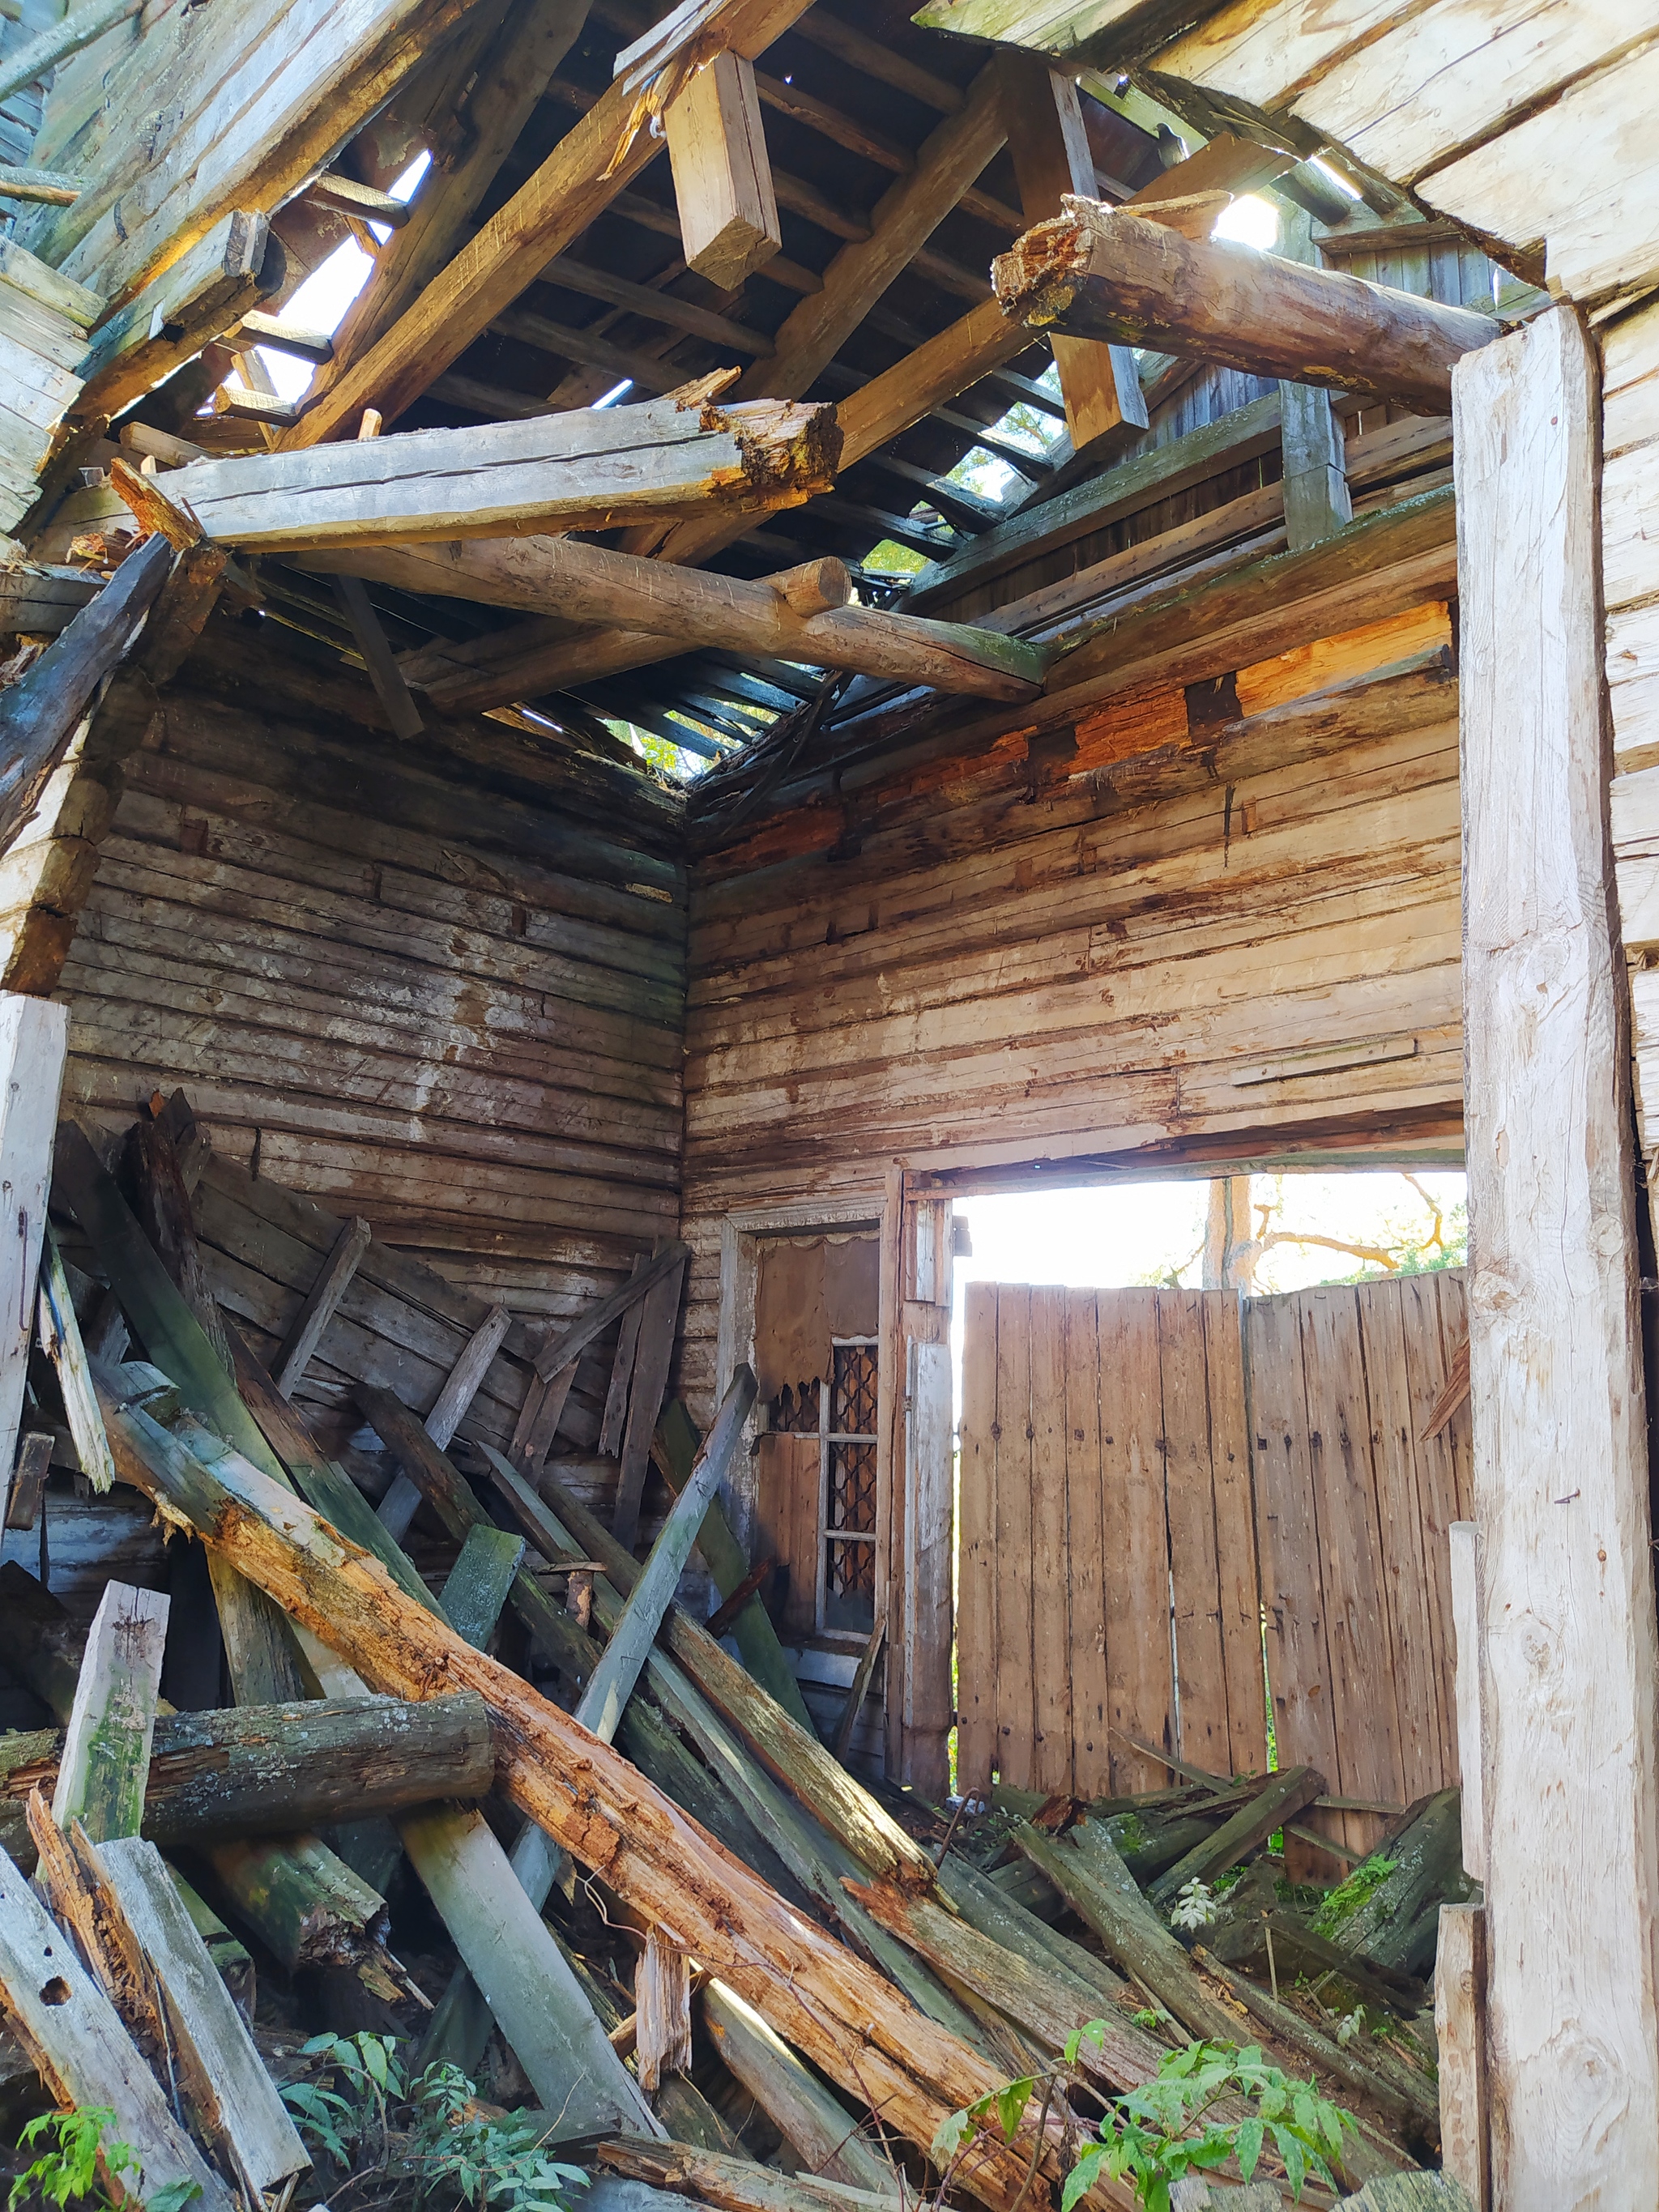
(1112, 1237)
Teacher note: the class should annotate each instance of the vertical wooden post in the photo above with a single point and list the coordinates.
(923, 1466)
(1572, 1657)
(1471, 1736)
(1100, 384)
(1317, 502)
(33, 1037)
(722, 178)
(1460, 2029)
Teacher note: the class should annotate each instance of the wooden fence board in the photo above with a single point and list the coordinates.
(976, 1626)
(1016, 1705)
(1236, 1537)
(1085, 1506)
(1051, 1654)
(1189, 1503)
(1137, 1551)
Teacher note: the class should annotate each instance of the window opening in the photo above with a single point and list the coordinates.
(847, 1487)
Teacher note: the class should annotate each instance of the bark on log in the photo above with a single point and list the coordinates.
(1098, 272)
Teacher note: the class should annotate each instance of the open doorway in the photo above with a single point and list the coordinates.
(1201, 1427)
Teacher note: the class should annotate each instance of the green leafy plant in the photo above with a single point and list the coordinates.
(423, 2140)
(1151, 2137)
(67, 2172)
(1341, 1903)
(340, 2107)
(482, 2161)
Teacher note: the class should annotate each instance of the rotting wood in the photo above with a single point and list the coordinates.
(592, 583)
(106, 1746)
(853, 2025)
(662, 1995)
(579, 470)
(73, 2033)
(1281, 1797)
(247, 2116)
(378, 658)
(1097, 272)
(615, 1417)
(735, 2184)
(675, 1452)
(595, 160)
(823, 2135)
(1100, 1890)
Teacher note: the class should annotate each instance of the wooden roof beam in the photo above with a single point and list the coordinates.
(583, 470)
(590, 583)
(598, 158)
(1103, 273)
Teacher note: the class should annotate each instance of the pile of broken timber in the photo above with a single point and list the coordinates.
(814, 1991)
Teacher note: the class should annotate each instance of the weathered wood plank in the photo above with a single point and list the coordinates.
(1548, 1156)
(977, 1619)
(1136, 1530)
(106, 1746)
(33, 1038)
(1050, 1752)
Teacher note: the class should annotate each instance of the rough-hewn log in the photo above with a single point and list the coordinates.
(1096, 272)
(835, 2009)
(591, 584)
(579, 470)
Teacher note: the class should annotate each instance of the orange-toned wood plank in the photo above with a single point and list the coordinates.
(1334, 660)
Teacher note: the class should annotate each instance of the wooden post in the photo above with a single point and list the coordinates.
(318, 1307)
(397, 1508)
(34, 1035)
(722, 178)
(926, 1508)
(1317, 502)
(1460, 2029)
(106, 1761)
(1560, 1458)
(1100, 384)
(1466, 1624)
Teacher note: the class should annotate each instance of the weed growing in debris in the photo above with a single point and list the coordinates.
(67, 2170)
(422, 2139)
(1195, 1907)
(1152, 2135)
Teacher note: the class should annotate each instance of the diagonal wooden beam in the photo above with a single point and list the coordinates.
(598, 158)
(692, 607)
(1100, 272)
(905, 217)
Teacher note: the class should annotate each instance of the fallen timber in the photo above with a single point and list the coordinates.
(589, 583)
(580, 470)
(272, 1769)
(1097, 272)
(838, 2011)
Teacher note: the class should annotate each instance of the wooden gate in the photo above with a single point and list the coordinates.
(1353, 1507)
(1111, 1585)
(1107, 1564)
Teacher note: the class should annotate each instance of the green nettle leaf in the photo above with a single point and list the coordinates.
(1011, 2102)
(1248, 2145)
(1295, 2157)
(1081, 2178)
(172, 2196)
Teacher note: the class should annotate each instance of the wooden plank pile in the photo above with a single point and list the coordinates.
(819, 1981)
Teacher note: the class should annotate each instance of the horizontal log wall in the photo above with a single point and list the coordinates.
(1007, 958)
(433, 984)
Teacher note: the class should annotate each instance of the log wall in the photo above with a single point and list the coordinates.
(1015, 959)
(437, 985)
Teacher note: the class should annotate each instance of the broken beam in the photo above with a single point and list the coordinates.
(578, 470)
(1097, 272)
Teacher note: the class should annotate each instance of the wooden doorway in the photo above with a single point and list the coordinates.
(1155, 1485)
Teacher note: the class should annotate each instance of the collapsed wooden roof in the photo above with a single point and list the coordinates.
(542, 262)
